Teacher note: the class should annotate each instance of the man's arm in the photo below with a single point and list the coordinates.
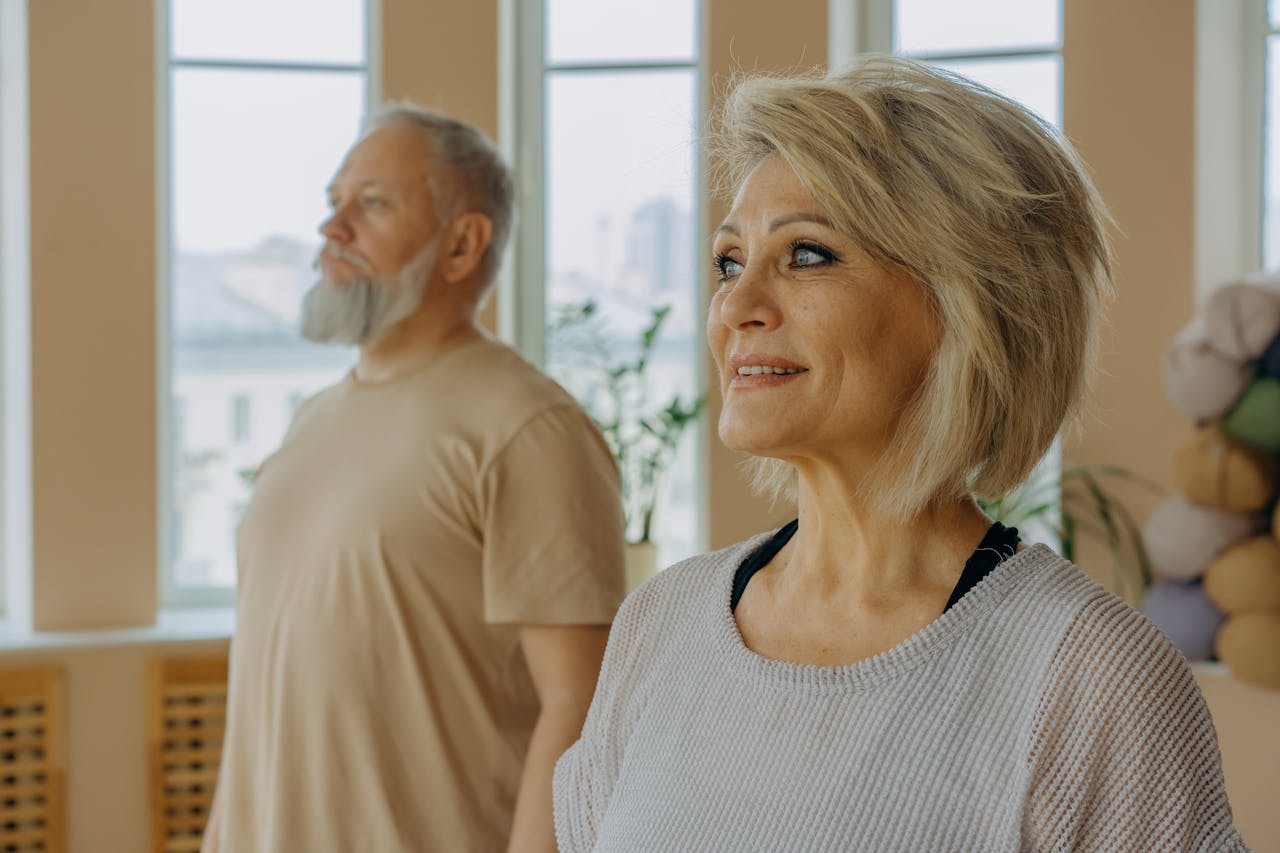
(209, 844)
(564, 661)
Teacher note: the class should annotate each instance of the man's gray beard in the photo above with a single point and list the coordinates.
(361, 312)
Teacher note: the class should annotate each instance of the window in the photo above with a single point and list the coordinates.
(15, 380)
(1271, 142)
(608, 106)
(258, 119)
(1012, 46)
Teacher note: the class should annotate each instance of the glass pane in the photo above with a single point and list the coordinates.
(318, 31)
(945, 26)
(1271, 161)
(620, 232)
(620, 30)
(251, 155)
(1035, 83)
(1273, 13)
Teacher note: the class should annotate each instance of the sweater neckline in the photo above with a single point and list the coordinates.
(913, 651)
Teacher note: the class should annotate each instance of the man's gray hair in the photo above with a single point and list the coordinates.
(472, 175)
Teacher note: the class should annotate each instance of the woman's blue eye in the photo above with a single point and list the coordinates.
(806, 257)
(727, 267)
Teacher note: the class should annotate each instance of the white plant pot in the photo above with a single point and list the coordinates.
(642, 563)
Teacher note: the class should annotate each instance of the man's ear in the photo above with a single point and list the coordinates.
(469, 237)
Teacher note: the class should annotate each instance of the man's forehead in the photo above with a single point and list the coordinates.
(393, 155)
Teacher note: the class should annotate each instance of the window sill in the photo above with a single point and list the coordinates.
(172, 626)
(1214, 668)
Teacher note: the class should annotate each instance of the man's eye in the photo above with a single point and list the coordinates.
(373, 201)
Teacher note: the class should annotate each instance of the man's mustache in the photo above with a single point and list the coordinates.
(337, 253)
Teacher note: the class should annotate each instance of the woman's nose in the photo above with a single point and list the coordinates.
(750, 303)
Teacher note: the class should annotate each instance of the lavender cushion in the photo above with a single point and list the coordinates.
(1186, 614)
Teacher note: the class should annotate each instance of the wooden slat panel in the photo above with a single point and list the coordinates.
(186, 755)
(32, 760)
(23, 835)
(186, 722)
(187, 689)
(187, 799)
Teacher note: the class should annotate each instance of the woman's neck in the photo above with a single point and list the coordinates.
(845, 544)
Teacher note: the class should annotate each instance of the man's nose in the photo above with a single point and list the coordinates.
(336, 228)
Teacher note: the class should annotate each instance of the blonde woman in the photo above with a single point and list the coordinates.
(911, 279)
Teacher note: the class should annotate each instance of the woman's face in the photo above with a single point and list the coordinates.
(819, 347)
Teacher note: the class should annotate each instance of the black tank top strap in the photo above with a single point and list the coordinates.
(999, 544)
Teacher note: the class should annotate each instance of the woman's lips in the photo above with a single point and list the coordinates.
(753, 370)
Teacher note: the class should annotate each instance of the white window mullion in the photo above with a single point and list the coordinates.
(522, 287)
(15, 316)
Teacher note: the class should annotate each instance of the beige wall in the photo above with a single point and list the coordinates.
(93, 313)
(1128, 105)
(774, 37)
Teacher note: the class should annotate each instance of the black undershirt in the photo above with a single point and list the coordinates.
(999, 544)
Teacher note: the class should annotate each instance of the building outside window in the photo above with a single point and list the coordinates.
(241, 418)
(257, 118)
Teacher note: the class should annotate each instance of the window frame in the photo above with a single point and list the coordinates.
(15, 320)
(1254, 119)
(171, 594)
(521, 289)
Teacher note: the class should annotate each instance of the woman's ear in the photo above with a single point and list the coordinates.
(469, 237)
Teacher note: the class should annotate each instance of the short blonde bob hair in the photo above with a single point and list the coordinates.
(985, 205)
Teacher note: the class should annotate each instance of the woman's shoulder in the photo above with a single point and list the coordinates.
(1099, 639)
(692, 586)
(701, 570)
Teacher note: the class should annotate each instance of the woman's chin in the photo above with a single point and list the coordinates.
(749, 440)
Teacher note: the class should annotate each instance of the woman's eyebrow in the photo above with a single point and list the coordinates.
(788, 218)
(785, 219)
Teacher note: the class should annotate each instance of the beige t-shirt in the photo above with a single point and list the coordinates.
(379, 699)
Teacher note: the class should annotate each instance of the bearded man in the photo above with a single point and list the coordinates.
(430, 561)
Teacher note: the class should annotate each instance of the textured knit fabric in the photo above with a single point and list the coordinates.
(379, 699)
(1038, 713)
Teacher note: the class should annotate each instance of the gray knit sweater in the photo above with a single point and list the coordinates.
(1038, 713)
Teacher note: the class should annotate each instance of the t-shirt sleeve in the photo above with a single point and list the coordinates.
(1125, 755)
(553, 529)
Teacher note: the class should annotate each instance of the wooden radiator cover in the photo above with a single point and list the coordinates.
(32, 760)
(187, 707)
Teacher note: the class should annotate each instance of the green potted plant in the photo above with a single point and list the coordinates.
(611, 380)
(1073, 504)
